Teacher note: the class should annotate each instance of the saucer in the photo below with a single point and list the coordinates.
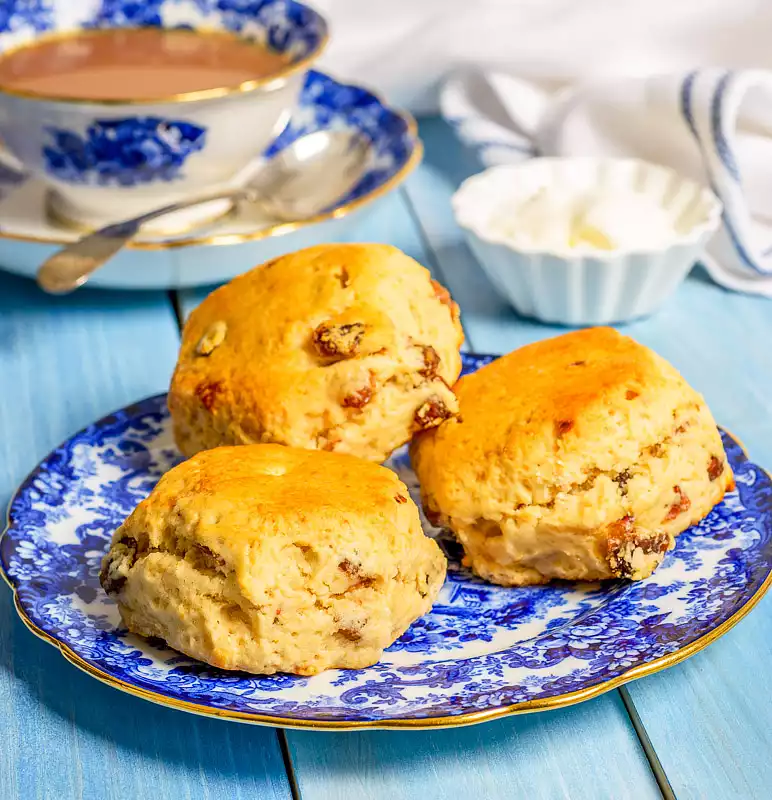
(29, 234)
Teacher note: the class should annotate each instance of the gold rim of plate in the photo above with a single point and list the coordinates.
(429, 723)
(281, 228)
(180, 97)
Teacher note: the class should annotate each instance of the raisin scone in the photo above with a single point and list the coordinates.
(267, 558)
(343, 347)
(579, 457)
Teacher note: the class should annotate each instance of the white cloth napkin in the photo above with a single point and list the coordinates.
(711, 125)
(406, 48)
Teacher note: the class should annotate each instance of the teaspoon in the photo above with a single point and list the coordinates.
(304, 179)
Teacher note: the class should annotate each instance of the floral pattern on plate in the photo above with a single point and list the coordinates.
(483, 650)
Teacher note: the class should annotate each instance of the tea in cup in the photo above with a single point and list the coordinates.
(136, 106)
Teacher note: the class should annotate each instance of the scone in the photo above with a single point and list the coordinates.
(344, 347)
(579, 457)
(269, 559)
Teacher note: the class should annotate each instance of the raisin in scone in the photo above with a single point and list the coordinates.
(268, 559)
(344, 347)
(579, 457)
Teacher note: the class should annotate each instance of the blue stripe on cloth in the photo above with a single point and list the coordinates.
(724, 154)
(728, 160)
(722, 146)
(745, 256)
(686, 102)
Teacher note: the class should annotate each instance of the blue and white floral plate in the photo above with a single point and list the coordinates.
(28, 236)
(482, 652)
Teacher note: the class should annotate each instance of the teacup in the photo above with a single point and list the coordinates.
(110, 160)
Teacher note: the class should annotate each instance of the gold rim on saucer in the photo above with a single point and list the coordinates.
(429, 723)
(216, 240)
(181, 97)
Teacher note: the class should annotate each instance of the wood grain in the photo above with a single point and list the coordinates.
(588, 751)
(65, 362)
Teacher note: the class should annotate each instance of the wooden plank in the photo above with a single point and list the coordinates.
(708, 720)
(66, 362)
(389, 221)
(588, 751)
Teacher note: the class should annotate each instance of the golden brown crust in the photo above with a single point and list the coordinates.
(541, 404)
(559, 441)
(268, 558)
(334, 347)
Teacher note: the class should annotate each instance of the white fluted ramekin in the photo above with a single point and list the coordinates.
(585, 287)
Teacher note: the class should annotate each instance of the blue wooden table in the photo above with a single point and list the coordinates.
(699, 730)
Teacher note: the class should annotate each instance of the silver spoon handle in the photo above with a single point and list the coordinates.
(70, 267)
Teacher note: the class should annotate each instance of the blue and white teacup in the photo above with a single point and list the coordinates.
(107, 161)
